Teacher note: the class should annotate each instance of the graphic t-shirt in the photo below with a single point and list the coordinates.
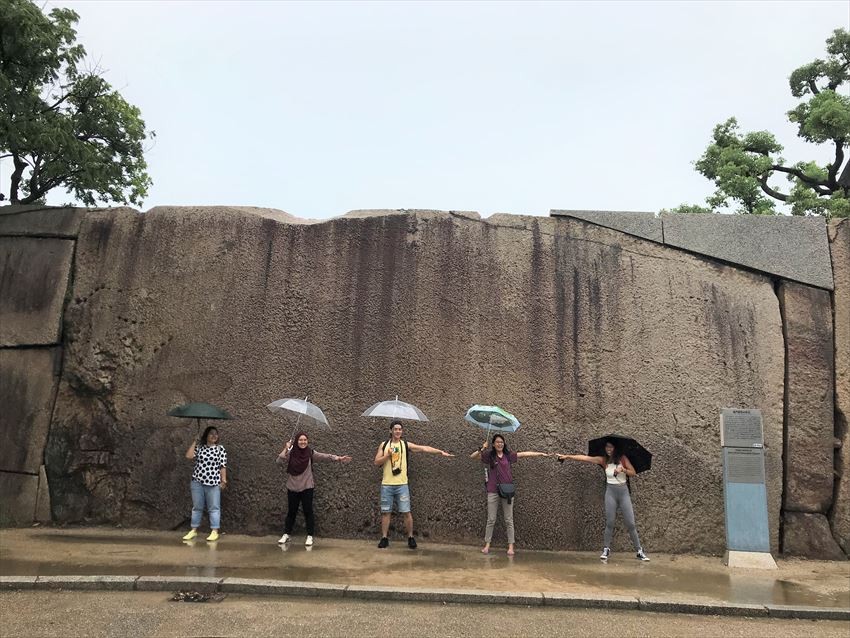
(398, 461)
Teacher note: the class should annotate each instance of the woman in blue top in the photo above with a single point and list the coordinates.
(498, 462)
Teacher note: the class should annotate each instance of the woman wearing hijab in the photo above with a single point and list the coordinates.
(300, 483)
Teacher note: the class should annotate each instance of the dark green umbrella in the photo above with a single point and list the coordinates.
(199, 411)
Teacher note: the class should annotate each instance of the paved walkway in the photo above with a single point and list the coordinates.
(243, 564)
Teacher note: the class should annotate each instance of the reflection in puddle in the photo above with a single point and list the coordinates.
(435, 566)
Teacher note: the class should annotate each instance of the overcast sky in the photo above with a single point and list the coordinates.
(319, 108)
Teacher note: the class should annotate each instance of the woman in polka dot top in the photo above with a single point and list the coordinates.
(208, 479)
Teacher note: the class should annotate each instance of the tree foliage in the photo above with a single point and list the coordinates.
(62, 124)
(741, 164)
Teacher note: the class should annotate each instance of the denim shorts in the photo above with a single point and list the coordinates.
(398, 495)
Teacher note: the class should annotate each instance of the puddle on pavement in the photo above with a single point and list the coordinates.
(114, 554)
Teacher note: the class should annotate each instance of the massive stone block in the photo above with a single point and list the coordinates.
(809, 535)
(639, 224)
(33, 280)
(40, 221)
(794, 248)
(839, 233)
(18, 495)
(28, 379)
(577, 329)
(807, 313)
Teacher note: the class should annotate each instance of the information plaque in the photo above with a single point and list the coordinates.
(745, 489)
(741, 428)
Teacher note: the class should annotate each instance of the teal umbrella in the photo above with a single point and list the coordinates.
(199, 411)
(492, 417)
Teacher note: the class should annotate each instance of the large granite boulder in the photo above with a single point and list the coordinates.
(33, 281)
(809, 404)
(577, 329)
(839, 235)
(809, 535)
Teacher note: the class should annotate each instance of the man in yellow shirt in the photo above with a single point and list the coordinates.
(392, 455)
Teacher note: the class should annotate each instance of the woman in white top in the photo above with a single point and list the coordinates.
(617, 470)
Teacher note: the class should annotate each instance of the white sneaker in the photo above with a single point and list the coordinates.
(283, 539)
(605, 554)
(641, 556)
(309, 541)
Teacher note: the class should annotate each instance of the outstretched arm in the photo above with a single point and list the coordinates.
(427, 449)
(596, 460)
(525, 455)
(477, 454)
(322, 456)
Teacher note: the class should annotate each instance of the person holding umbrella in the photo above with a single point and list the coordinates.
(500, 486)
(300, 483)
(392, 456)
(208, 479)
(618, 468)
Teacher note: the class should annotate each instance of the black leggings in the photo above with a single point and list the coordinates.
(304, 498)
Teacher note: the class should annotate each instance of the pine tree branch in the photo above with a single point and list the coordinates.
(768, 190)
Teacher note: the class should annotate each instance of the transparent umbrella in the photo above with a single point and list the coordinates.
(395, 409)
(304, 409)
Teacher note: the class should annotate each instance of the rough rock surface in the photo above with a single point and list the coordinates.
(28, 379)
(40, 221)
(795, 248)
(33, 280)
(808, 398)
(577, 329)
(839, 232)
(809, 535)
(639, 224)
(18, 494)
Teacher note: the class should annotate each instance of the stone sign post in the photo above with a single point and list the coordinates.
(745, 489)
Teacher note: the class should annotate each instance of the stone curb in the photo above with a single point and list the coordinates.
(253, 586)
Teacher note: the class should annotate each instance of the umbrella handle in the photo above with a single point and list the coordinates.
(295, 429)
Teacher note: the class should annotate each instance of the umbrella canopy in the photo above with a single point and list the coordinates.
(492, 417)
(199, 411)
(640, 457)
(395, 409)
(302, 408)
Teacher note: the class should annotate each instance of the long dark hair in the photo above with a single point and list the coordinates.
(616, 456)
(493, 457)
(203, 439)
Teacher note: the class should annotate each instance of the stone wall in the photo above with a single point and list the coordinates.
(576, 328)
(36, 254)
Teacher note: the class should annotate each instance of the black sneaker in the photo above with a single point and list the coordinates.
(385, 542)
(411, 542)
(641, 556)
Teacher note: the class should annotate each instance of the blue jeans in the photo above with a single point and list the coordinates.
(398, 495)
(209, 496)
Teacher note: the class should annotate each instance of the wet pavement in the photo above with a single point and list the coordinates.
(109, 551)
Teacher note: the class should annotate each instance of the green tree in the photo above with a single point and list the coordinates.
(62, 125)
(740, 164)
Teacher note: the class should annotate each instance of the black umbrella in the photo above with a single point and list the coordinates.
(640, 457)
(199, 411)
